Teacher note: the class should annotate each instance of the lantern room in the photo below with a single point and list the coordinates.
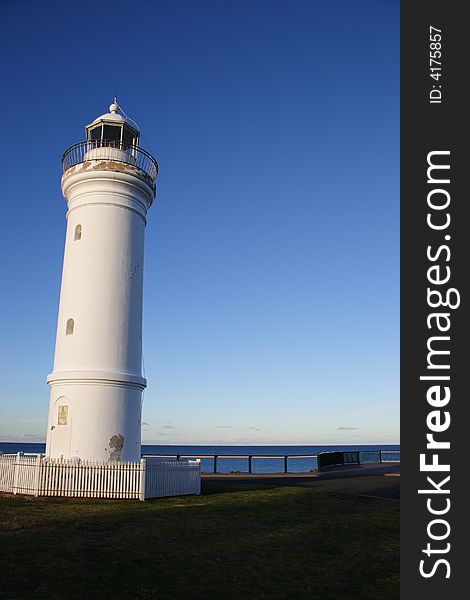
(113, 129)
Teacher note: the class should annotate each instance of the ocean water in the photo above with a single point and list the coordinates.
(238, 463)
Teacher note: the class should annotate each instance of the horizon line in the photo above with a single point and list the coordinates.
(228, 444)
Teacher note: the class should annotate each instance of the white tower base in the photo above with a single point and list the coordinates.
(102, 420)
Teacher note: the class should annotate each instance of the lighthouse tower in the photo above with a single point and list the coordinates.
(96, 386)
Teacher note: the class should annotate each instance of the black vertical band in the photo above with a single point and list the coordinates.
(434, 299)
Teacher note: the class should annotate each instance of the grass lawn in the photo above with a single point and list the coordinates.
(230, 543)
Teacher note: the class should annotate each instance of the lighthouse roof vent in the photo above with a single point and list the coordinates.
(114, 116)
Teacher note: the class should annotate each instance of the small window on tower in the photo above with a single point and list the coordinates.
(70, 326)
(78, 233)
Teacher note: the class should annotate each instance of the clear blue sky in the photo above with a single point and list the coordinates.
(271, 300)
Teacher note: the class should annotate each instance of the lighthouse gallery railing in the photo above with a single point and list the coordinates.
(110, 150)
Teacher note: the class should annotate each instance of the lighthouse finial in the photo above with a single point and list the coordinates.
(114, 107)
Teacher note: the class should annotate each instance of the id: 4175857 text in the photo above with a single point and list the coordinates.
(435, 64)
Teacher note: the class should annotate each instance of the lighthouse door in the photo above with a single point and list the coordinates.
(61, 428)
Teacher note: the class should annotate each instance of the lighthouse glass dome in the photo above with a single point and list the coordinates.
(117, 135)
(113, 135)
(113, 129)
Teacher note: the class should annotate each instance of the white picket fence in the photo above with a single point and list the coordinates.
(171, 477)
(38, 475)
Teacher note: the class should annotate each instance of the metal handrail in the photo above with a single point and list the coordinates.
(249, 457)
(337, 460)
(131, 155)
(231, 455)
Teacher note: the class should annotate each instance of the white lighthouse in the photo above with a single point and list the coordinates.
(97, 384)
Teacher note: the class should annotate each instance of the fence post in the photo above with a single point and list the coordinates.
(37, 475)
(285, 463)
(143, 464)
(215, 463)
(249, 462)
(17, 472)
(380, 456)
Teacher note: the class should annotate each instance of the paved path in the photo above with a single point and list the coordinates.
(382, 481)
